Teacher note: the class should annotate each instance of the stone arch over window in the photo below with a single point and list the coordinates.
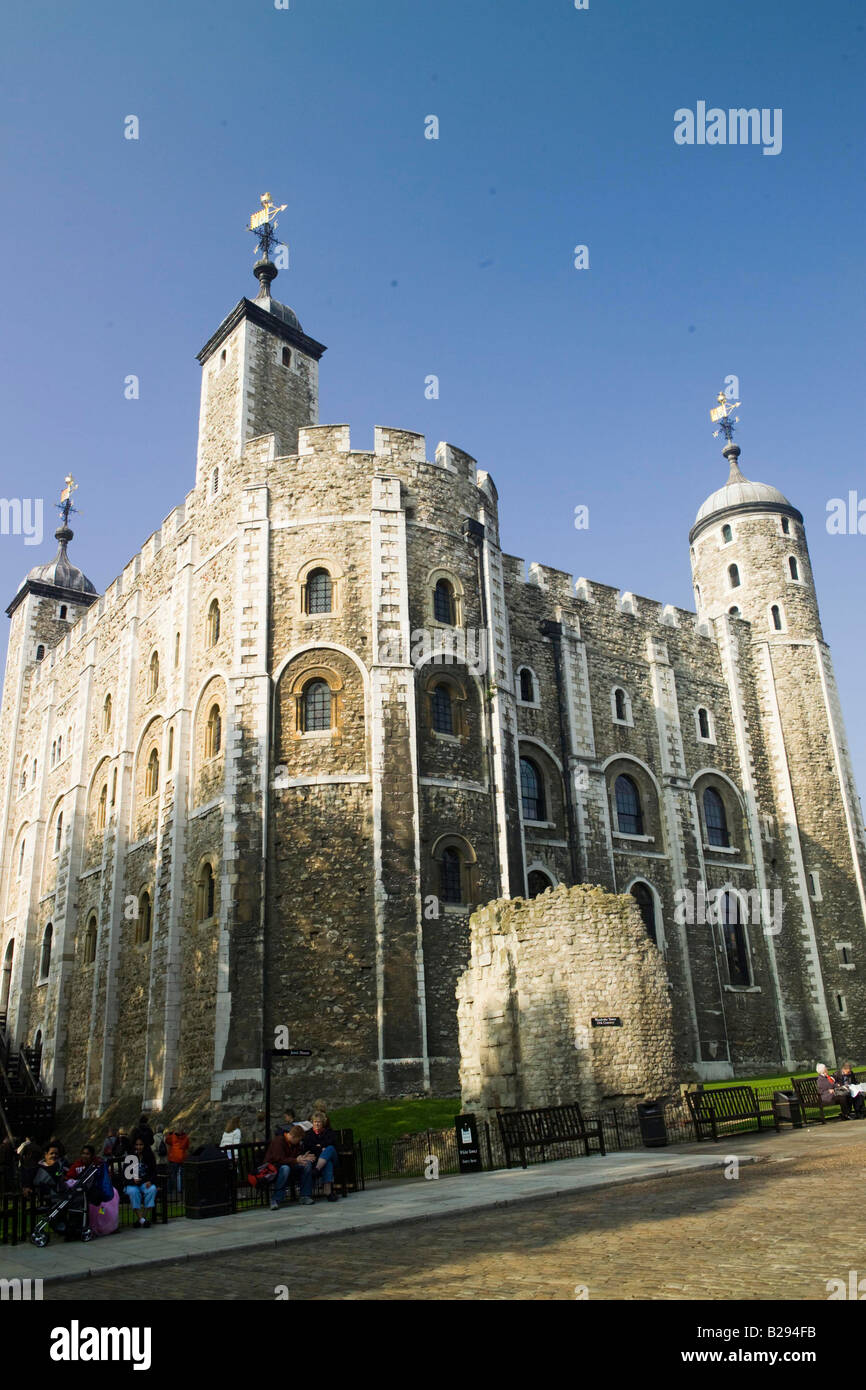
(20, 850)
(649, 902)
(540, 782)
(151, 777)
(343, 748)
(91, 934)
(444, 598)
(727, 534)
(317, 701)
(527, 686)
(633, 798)
(734, 580)
(320, 587)
(776, 617)
(210, 735)
(705, 724)
(205, 891)
(45, 953)
(40, 652)
(721, 813)
(153, 675)
(794, 570)
(144, 918)
(444, 700)
(212, 625)
(734, 611)
(732, 920)
(455, 871)
(620, 704)
(106, 715)
(538, 880)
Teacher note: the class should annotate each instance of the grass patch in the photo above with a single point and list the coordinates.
(389, 1119)
(777, 1083)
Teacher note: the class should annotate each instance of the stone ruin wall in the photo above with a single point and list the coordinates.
(540, 969)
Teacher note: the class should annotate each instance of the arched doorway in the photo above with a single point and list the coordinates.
(645, 899)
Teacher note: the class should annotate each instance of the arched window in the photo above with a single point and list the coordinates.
(106, 714)
(45, 957)
(62, 613)
(442, 710)
(734, 936)
(319, 592)
(6, 986)
(620, 705)
(734, 576)
(58, 832)
(704, 723)
(213, 623)
(698, 595)
(100, 807)
(727, 534)
(645, 899)
(90, 936)
(114, 786)
(286, 357)
(527, 686)
(206, 894)
(734, 612)
(170, 761)
(792, 566)
(176, 650)
(40, 652)
(213, 733)
(23, 780)
(786, 526)
(776, 615)
(21, 855)
(151, 776)
(54, 752)
(60, 749)
(531, 791)
(628, 809)
(317, 706)
(215, 475)
(537, 882)
(153, 675)
(34, 771)
(450, 876)
(443, 602)
(144, 920)
(715, 819)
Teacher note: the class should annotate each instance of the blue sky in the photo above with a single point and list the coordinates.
(454, 257)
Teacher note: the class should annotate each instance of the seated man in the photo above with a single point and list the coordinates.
(828, 1093)
(845, 1077)
(318, 1158)
(284, 1152)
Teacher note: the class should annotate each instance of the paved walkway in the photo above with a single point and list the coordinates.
(409, 1200)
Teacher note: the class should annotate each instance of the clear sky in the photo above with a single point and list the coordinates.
(452, 257)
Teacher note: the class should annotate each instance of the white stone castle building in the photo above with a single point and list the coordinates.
(231, 801)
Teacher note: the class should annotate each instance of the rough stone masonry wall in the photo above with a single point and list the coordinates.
(539, 971)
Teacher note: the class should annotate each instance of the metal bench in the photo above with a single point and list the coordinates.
(729, 1105)
(811, 1108)
(540, 1129)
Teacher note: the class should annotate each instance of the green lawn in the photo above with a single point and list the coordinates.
(776, 1082)
(388, 1119)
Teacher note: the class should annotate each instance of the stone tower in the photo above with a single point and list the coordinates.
(754, 587)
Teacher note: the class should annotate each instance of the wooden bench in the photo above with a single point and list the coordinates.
(729, 1105)
(540, 1129)
(810, 1103)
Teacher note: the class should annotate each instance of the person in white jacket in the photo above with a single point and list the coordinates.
(231, 1137)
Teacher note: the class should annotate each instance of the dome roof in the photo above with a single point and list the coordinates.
(282, 311)
(60, 571)
(740, 492)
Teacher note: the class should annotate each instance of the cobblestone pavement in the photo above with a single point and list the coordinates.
(779, 1230)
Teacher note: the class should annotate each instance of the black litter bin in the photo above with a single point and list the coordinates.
(208, 1187)
(786, 1106)
(651, 1118)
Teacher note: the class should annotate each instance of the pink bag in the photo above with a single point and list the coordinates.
(104, 1218)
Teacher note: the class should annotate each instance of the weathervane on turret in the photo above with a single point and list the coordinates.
(264, 226)
(723, 414)
(65, 505)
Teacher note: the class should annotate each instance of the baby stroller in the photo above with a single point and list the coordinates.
(71, 1204)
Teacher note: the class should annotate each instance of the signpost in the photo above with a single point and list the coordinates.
(267, 1061)
(468, 1148)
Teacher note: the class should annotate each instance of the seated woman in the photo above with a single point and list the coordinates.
(318, 1157)
(49, 1185)
(141, 1188)
(103, 1209)
(833, 1092)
